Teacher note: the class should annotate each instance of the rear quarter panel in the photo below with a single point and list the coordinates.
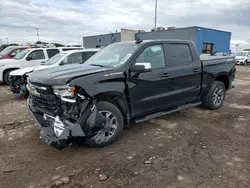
(215, 67)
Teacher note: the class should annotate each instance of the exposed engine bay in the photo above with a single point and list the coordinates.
(61, 117)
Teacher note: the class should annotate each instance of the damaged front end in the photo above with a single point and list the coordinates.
(62, 114)
(18, 84)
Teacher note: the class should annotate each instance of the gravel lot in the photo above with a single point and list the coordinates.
(193, 148)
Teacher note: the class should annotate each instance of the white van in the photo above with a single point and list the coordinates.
(28, 58)
(18, 78)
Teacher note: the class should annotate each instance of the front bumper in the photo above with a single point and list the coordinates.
(18, 84)
(56, 133)
(240, 62)
(59, 133)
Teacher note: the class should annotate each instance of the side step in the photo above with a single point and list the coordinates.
(151, 116)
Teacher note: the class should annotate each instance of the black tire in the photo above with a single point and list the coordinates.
(109, 107)
(6, 77)
(212, 102)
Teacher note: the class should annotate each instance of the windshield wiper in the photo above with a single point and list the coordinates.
(97, 65)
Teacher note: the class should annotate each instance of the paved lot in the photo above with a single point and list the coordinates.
(193, 148)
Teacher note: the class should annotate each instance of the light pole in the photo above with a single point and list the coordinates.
(7, 42)
(37, 33)
(155, 13)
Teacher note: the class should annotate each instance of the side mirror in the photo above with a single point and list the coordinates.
(12, 55)
(141, 67)
(28, 58)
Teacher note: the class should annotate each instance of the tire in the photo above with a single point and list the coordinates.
(6, 77)
(213, 101)
(107, 107)
(245, 63)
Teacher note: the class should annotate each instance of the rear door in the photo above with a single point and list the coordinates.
(52, 52)
(185, 73)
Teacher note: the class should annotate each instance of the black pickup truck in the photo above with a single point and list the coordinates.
(124, 82)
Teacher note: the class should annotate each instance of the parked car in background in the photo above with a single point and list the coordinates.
(125, 81)
(11, 51)
(18, 78)
(28, 58)
(242, 58)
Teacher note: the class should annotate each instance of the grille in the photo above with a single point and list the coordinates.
(46, 101)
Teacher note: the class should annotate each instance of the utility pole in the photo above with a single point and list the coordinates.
(155, 13)
(37, 33)
(7, 42)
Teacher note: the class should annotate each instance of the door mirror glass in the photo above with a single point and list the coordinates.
(28, 58)
(142, 67)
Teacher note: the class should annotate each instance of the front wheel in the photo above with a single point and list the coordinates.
(6, 77)
(216, 95)
(113, 126)
(246, 62)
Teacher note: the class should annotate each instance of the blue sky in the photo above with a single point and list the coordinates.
(67, 21)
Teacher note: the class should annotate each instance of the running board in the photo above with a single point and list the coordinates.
(151, 116)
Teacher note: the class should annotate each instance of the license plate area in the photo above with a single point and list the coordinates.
(57, 124)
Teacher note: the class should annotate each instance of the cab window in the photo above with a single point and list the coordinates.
(154, 55)
(36, 55)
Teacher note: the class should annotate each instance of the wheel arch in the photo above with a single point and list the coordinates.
(118, 100)
(8, 69)
(224, 78)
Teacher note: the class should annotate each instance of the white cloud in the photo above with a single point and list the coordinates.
(67, 21)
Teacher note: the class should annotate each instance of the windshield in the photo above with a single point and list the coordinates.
(113, 55)
(21, 54)
(54, 59)
(241, 54)
(6, 51)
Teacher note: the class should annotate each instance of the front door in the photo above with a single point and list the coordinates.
(147, 90)
(35, 58)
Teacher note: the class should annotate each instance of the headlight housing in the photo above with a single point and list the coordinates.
(65, 92)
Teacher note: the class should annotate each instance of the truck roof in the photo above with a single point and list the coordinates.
(159, 40)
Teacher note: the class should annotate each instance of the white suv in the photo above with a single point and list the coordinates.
(18, 78)
(242, 57)
(28, 58)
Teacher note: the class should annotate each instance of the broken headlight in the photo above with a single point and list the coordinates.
(65, 92)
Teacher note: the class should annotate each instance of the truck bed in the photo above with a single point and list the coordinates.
(210, 60)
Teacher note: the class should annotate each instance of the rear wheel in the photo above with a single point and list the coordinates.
(216, 95)
(113, 126)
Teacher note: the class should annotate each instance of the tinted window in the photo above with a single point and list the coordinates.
(86, 56)
(67, 49)
(37, 54)
(73, 58)
(178, 54)
(15, 52)
(52, 52)
(154, 55)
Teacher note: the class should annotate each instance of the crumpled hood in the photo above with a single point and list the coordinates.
(62, 74)
(21, 72)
